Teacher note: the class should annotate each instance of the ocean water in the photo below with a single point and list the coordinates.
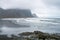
(15, 25)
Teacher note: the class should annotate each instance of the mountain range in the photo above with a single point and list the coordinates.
(15, 13)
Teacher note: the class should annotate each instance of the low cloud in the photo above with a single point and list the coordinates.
(42, 8)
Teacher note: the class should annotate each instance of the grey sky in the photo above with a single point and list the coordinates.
(54, 7)
(42, 8)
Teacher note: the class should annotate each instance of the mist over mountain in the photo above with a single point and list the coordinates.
(15, 13)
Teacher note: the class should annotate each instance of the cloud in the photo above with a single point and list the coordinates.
(34, 5)
(14, 4)
(31, 4)
(53, 7)
(52, 2)
(42, 8)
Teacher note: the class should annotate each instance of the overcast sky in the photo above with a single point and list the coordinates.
(42, 8)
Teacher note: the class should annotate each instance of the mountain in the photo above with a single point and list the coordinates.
(15, 13)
